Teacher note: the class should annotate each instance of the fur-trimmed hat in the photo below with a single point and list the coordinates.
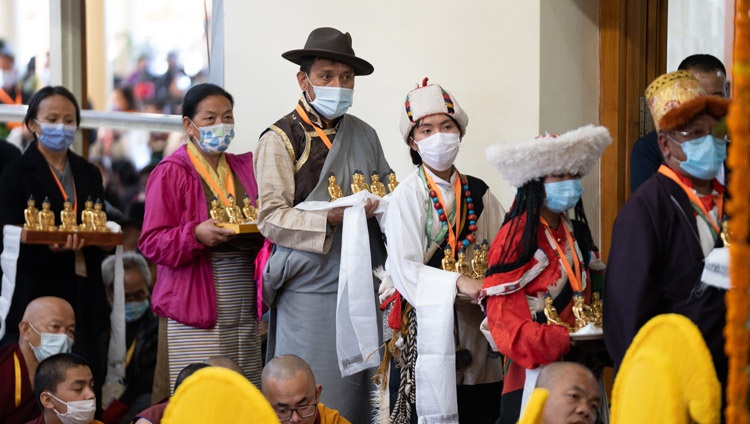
(430, 100)
(677, 97)
(574, 152)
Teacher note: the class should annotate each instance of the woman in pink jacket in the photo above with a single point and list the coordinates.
(205, 286)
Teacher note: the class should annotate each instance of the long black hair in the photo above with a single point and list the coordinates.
(529, 200)
(42, 94)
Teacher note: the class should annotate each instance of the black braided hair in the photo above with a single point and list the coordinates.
(529, 200)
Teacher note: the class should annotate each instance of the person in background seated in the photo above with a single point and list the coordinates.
(64, 388)
(289, 386)
(141, 333)
(573, 394)
(47, 328)
(154, 414)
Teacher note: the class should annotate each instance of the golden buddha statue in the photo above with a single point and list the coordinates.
(392, 183)
(448, 263)
(87, 216)
(581, 311)
(358, 182)
(376, 187)
(479, 261)
(233, 212)
(462, 267)
(46, 217)
(31, 215)
(100, 217)
(68, 218)
(334, 190)
(250, 211)
(596, 309)
(216, 211)
(551, 313)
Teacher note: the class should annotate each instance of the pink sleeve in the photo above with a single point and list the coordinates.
(168, 236)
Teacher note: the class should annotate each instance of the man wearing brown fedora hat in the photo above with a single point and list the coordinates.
(294, 159)
(668, 227)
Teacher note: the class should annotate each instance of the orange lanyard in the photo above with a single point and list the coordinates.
(574, 277)
(203, 171)
(62, 189)
(19, 381)
(452, 235)
(320, 132)
(667, 172)
(5, 97)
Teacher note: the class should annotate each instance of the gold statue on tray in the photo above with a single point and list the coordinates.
(358, 182)
(596, 309)
(100, 217)
(46, 217)
(233, 212)
(392, 183)
(551, 313)
(68, 219)
(376, 187)
(250, 211)
(31, 215)
(216, 211)
(87, 216)
(479, 261)
(462, 267)
(448, 263)
(581, 311)
(334, 190)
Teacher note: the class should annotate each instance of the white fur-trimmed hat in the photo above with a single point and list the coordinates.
(430, 100)
(574, 152)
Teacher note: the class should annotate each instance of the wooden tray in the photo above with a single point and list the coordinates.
(61, 237)
(250, 227)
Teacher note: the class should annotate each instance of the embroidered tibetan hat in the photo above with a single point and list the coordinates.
(429, 100)
(574, 152)
(677, 97)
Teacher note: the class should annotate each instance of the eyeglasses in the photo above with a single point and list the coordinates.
(303, 412)
(694, 136)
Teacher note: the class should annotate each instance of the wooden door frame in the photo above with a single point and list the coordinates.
(632, 53)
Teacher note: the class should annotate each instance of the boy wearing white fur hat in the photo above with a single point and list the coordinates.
(442, 369)
(539, 254)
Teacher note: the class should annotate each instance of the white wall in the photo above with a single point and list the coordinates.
(493, 56)
(569, 94)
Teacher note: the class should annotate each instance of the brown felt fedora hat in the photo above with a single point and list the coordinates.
(330, 43)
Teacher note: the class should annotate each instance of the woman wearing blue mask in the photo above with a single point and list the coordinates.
(540, 253)
(205, 286)
(49, 169)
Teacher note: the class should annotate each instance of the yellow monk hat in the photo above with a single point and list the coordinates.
(667, 376)
(677, 97)
(218, 395)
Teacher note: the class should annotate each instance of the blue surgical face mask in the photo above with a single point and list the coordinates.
(56, 137)
(704, 156)
(331, 102)
(215, 139)
(51, 344)
(562, 195)
(135, 310)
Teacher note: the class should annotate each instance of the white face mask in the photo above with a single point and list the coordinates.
(439, 150)
(79, 411)
(51, 344)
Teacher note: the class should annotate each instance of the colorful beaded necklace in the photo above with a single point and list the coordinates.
(460, 186)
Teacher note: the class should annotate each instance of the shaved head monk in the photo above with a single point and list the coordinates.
(47, 328)
(289, 386)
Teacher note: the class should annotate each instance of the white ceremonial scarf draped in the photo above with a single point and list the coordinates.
(113, 384)
(11, 247)
(431, 291)
(357, 343)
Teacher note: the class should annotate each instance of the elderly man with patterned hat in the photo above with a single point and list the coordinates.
(294, 158)
(667, 228)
